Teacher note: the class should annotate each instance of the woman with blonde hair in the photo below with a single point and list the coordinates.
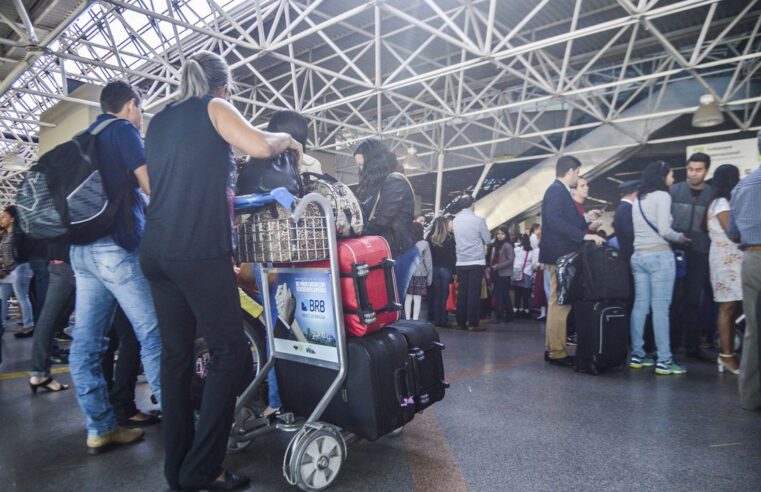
(444, 257)
(186, 256)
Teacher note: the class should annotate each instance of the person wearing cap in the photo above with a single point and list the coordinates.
(745, 228)
(622, 220)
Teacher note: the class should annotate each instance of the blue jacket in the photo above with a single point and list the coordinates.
(562, 226)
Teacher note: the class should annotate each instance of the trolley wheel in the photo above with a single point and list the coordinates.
(396, 432)
(317, 460)
(235, 446)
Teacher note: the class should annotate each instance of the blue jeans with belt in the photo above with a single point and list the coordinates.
(106, 274)
(654, 275)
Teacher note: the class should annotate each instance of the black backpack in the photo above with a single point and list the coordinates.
(64, 195)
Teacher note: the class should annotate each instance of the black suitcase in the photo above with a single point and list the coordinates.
(374, 399)
(426, 377)
(602, 335)
(604, 274)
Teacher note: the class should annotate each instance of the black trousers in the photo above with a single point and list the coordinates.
(523, 298)
(469, 294)
(123, 378)
(198, 296)
(502, 297)
(60, 291)
(685, 306)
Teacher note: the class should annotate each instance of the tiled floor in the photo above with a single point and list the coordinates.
(509, 422)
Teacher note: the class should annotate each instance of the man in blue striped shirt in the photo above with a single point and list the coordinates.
(745, 228)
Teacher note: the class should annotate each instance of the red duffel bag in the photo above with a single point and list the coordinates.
(368, 285)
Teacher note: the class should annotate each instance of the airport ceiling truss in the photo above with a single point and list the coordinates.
(451, 84)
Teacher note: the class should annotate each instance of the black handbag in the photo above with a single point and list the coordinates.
(264, 175)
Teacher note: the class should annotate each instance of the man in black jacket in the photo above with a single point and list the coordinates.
(622, 221)
(563, 231)
(689, 204)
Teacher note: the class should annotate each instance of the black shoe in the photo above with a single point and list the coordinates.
(699, 356)
(567, 361)
(146, 420)
(571, 340)
(24, 334)
(232, 481)
(62, 337)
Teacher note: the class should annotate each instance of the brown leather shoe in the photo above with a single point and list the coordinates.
(120, 436)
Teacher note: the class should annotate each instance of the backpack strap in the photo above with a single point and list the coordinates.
(100, 126)
(639, 202)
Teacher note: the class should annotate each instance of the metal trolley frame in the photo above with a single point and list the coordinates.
(316, 452)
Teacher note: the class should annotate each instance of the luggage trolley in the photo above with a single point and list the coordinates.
(272, 233)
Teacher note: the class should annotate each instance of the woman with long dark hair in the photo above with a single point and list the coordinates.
(388, 204)
(186, 255)
(654, 268)
(501, 263)
(444, 258)
(725, 260)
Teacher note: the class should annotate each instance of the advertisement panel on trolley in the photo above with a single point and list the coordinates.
(302, 314)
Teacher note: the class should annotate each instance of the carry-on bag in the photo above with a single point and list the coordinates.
(602, 331)
(605, 274)
(346, 208)
(368, 285)
(426, 375)
(374, 399)
(568, 278)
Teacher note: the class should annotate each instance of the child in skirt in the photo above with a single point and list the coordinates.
(422, 277)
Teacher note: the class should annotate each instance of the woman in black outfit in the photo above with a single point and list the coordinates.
(186, 257)
(388, 204)
(444, 256)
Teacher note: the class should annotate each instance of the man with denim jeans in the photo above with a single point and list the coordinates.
(108, 271)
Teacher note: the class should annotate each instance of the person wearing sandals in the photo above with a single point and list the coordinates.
(14, 277)
(725, 261)
(654, 268)
(61, 286)
(186, 254)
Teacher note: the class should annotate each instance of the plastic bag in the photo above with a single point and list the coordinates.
(569, 277)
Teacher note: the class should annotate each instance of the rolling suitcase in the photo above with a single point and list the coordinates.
(426, 375)
(604, 274)
(368, 285)
(602, 335)
(374, 399)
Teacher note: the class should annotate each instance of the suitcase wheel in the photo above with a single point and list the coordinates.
(316, 455)
(396, 432)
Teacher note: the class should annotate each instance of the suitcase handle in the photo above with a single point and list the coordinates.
(388, 271)
(405, 398)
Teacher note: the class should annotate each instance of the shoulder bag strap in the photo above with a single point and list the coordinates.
(639, 202)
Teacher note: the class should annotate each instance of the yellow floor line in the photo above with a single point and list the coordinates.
(25, 374)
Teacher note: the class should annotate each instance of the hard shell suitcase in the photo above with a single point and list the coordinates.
(602, 331)
(426, 377)
(368, 285)
(605, 274)
(373, 400)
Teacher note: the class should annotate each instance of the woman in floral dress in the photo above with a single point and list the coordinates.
(725, 259)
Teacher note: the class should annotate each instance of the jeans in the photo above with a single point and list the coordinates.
(502, 297)
(197, 297)
(442, 277)
(60, 289)
(686, 308)
(654, 274)
(106, 274)
(469, 295)
(122, 379)
(404, 267)
(274, 392)
(749, 380)
(19, 280)
(41, 280)
(547, 277)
